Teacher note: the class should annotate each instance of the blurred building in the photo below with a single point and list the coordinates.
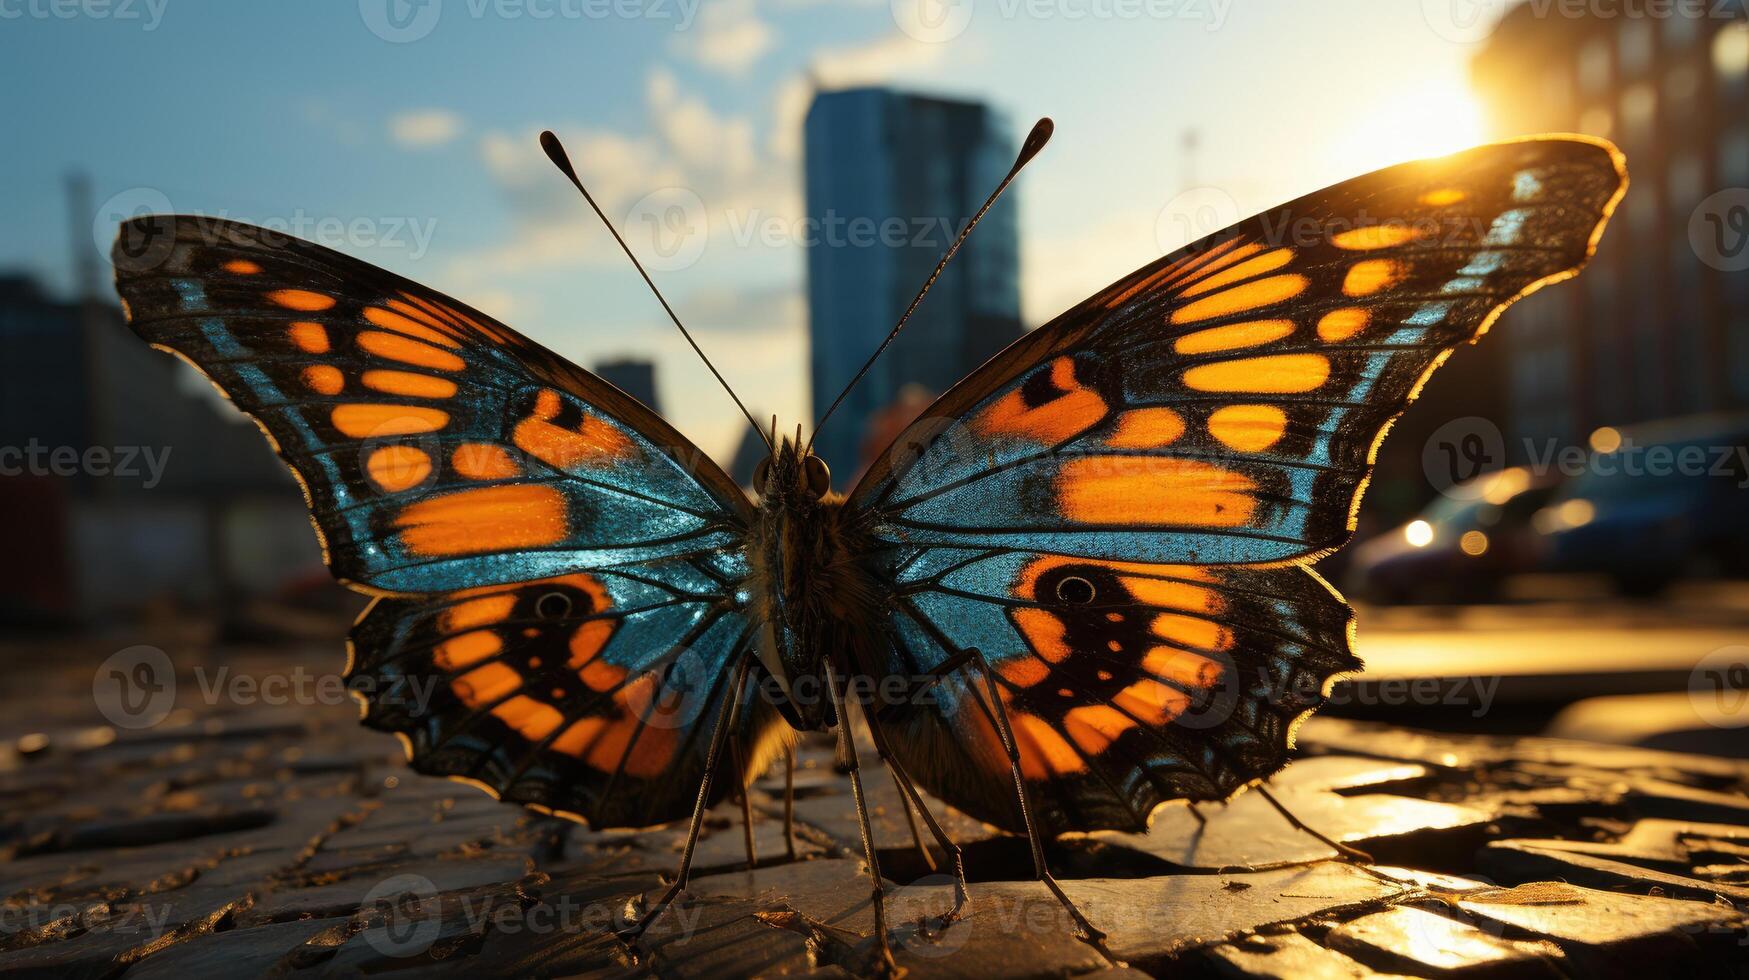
(635, 377)
(122, 482)
(1652, 329)
(891, 178)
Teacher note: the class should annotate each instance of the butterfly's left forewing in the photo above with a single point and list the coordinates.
(481, 487)
(1216, 411)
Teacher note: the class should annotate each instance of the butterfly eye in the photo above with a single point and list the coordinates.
(1075, 590)
(761, 473)
(553, 605)
(819, 476)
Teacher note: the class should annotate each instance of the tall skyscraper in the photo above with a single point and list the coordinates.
(1659, 325)
(633, 376)
(891, 178)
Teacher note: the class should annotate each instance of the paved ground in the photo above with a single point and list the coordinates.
(241, 836)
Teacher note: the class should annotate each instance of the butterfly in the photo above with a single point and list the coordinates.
(1086, 568)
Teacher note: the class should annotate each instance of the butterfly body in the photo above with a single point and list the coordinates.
(814, 593)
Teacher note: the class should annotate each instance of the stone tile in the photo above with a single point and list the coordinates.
(1425, 943)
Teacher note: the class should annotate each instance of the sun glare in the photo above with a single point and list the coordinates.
(1438, 117)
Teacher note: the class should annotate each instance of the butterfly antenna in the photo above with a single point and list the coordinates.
(556, 153)
(1035, 141)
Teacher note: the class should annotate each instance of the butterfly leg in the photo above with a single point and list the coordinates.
(744, 791)
(1089, 934)
(847, 751)
(719, 736)
(789, 800)
(908, 792)
(911, 818)
(1349, 853)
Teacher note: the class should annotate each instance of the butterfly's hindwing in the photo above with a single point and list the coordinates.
(591, 693)
(1126, 684)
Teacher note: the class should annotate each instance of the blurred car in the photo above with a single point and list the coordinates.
(1656, 503)
(1461, 547)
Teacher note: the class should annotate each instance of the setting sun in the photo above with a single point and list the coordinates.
(1431, 119)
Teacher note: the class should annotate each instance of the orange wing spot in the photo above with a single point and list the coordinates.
(1193, 670)
(496, 518)
(1367, 238)
(1094, 727)
(409, 383)
(241, 267)
(575, 740)
(1339, 325)
(547, 404)
(1276, 374)
(1247, 334)
(484, 685)
(1167, 594)
(594, 443)
(1443, 197)
(533, 720)
(390, 320)
(324, 379)
(588, 642)
(455, 318)
(423, 316)
(364, 421)
(1248, 428)
(483, 461)
(1060, 418)
(405, 349)
(1214, 260)
(1044, 632)
(1250, 269)
(1252, 295)
(1373, 275)
(648, 757)
(1176, 270)
(1023, 671)
(311, 338)
(397, 468)
(300, 299)
(1043, 752)
(479, 612)
(1146, 428)
(1192, 631)
(1152, 702)
(602, 676)
(466, 649)
(1152, 490)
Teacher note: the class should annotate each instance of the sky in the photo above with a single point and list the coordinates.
(405, 134)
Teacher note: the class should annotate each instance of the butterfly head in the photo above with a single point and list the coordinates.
(792, 476)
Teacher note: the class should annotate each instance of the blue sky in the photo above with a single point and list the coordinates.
(419, 154)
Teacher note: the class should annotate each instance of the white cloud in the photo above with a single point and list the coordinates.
(882, 60)
(422, 128)
(730, 37)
